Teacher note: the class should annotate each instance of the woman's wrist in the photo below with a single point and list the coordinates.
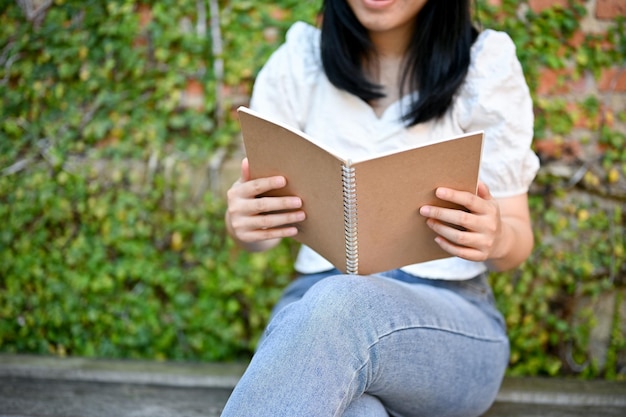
(514, 246)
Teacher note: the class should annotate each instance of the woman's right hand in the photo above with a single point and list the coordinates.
(258, 223)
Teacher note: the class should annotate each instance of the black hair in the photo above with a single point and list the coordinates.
(438, 55)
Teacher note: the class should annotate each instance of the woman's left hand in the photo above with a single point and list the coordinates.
(472, 234)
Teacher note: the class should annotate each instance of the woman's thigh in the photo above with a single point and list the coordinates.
(421, 349)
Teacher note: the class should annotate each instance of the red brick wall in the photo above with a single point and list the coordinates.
(609, 9)
(602, 9)
(608, 87)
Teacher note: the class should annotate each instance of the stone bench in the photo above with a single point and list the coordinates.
(54, 387)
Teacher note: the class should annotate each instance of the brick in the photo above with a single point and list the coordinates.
(610, 9)
(546, 148)
(140, 41)
(240, 90)
(582, 120)
(145, 15)
(601, 42)
(538, 6)
(144, 12)
(577, 39)
(193, 96)
(548, 80)
(279, 14)
(558, 149)
(559, 81)
(497, 5)
(612, 79)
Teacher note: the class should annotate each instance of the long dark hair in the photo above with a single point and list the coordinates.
(437, 58)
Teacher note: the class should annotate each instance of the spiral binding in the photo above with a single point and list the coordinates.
(350, 218)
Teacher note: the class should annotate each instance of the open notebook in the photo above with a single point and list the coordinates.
(362, 216)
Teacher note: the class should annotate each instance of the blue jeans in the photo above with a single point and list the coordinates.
(373, 346)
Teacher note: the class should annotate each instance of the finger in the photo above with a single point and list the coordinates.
(268, 226)
(276, 220)
(460, 218)
(462, 227)
(263, 213)
(479, 240)
(253, 188)
(245, 170)
(454, 235)
(243, 212)
(267, 234)
(464, 252)
(265, 205)
(483, 191)
(462, 198)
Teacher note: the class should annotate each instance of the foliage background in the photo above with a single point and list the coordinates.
(117, 115)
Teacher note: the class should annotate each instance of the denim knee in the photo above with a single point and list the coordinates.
(336, 305)
(342, 299)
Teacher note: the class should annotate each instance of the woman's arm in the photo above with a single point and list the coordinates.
(495, 231)
(258, 224)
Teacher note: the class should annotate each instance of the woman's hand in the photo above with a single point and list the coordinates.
(258, 223)
(495, 231)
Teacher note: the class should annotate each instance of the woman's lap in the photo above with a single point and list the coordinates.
(420, 349)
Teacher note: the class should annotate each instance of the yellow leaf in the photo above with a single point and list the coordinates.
(84, 74)
(176, 242)
(82, 52)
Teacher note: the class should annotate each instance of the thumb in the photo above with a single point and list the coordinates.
(483, 191)
(245, 170)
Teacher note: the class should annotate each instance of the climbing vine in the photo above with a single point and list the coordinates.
(552, 303)
(115, 113)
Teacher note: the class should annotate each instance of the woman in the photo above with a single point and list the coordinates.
(426, 339)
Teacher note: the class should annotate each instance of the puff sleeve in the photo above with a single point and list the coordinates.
(284, 86)
(495, 98)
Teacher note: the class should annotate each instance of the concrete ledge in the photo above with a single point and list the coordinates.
(559, 391)
(183, 374)
(46, 386)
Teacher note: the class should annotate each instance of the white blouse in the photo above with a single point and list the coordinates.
(292, 88)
